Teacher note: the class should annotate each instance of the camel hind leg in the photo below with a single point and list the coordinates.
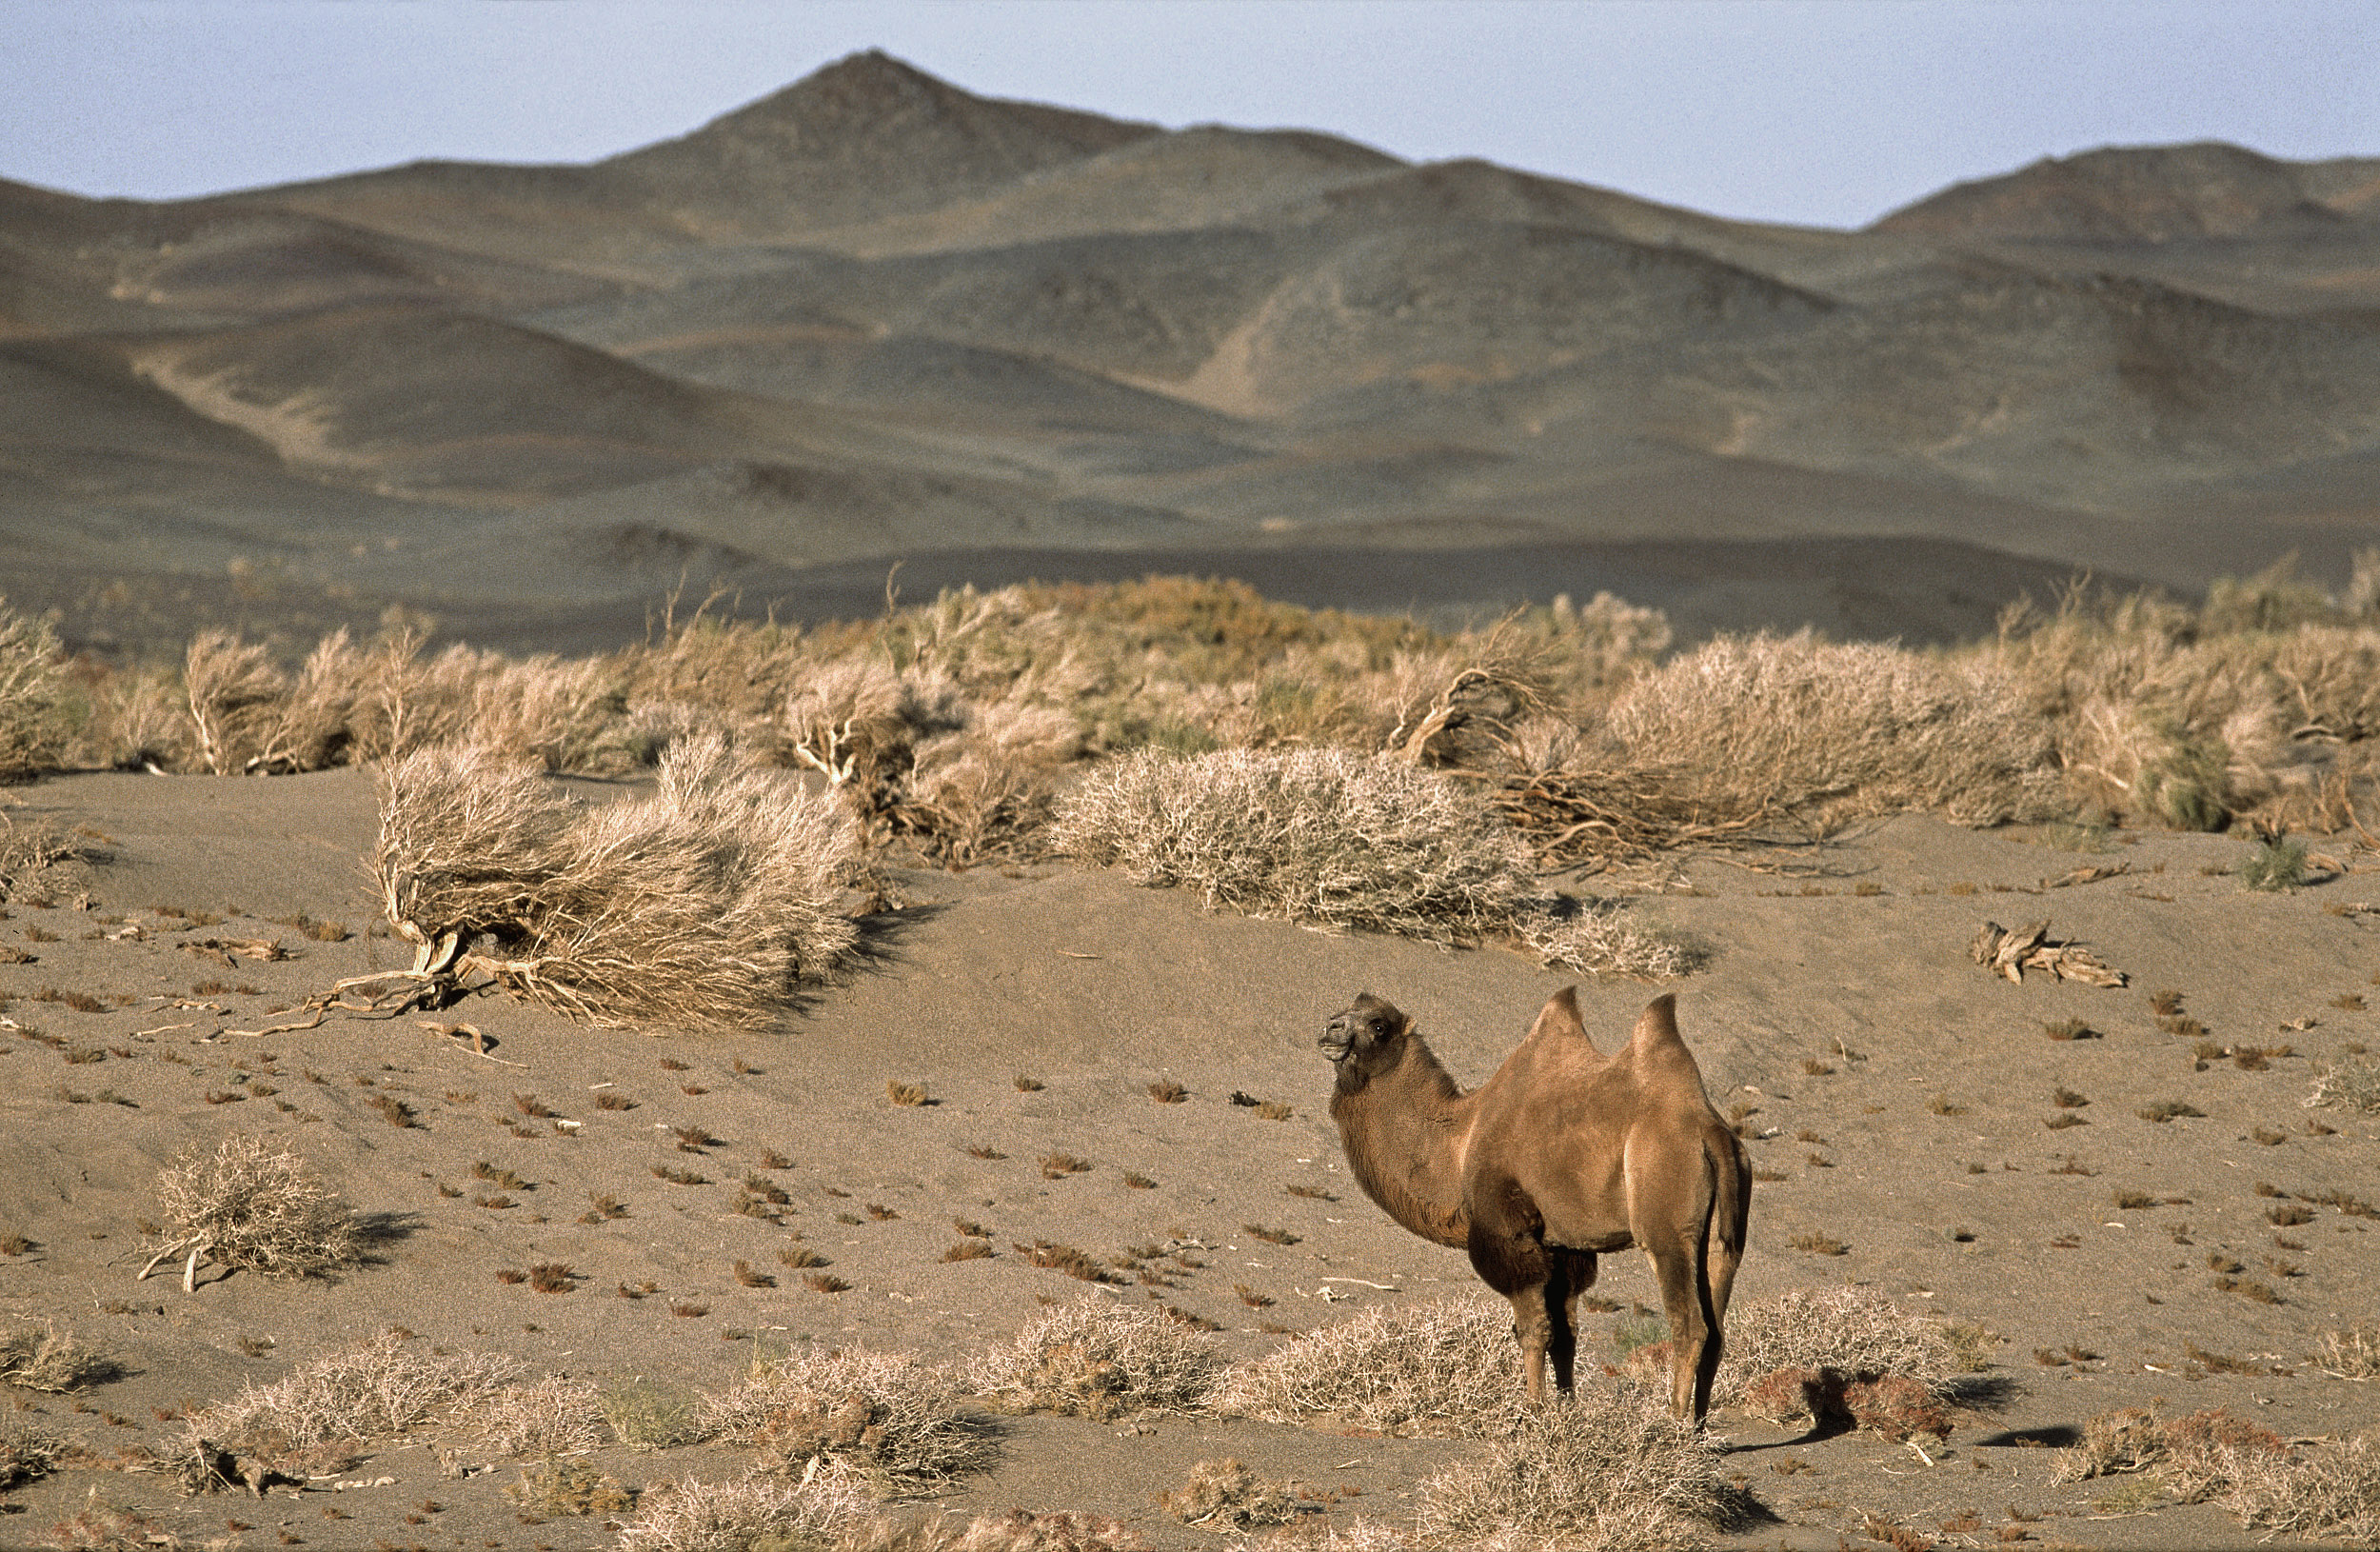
(1571, 1273)
(1693, 1335)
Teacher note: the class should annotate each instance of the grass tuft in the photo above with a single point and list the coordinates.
(1099, 1359)
(1447, 1368)
(254, 1207)
(701, 906)
(1613, 1473)
(897, 1422)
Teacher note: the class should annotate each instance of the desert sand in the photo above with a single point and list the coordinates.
(1897, 1093)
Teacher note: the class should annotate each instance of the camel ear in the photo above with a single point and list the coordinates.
(1558, 1017)
(1658, 1022)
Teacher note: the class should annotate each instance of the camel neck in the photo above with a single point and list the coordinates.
(1405, 1132)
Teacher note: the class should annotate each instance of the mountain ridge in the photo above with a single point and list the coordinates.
(957, 323)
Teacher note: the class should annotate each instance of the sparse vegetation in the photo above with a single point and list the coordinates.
(47, 1358)
(549, 1417)
(254, 1207)
(1445, 1367)
(1608, 1472)
(700, 905)
(691, 1516)
(2351, 1084)
(1100, 1360)
(897, 1421)
(1308, 835)
(26, 1452)
(2277, 864)
(1226, 1495)
(383, 1388)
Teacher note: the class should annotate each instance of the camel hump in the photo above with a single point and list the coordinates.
(1657, 1028)
(1558, 1019)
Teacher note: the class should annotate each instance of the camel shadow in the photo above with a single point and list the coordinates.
(2049, 1436)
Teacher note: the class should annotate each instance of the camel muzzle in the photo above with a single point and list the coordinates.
(1337, 1043)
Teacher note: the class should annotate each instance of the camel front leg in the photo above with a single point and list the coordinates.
(1534, 1331)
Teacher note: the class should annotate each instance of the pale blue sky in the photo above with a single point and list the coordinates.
(1825, 111)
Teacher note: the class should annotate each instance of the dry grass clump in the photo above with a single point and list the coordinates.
(1606, 1473)
(2352, 1354)
(1100, 1360)
(1447, 1368)
(2261, 703)
(896, 1422)
(700, 905)
(2352, 1084)
(1225, 1494)
(1308, 835)
(556, 1487)
(26, 1452)
(1815, 1351)
(31, 692)
(1597, 938)
(47, 1360)
(1776, 727)
(2328, 1491)
(254, 1206)
(2317, 1490)
(551, 1416)
(690, 1516)
(383, 1387)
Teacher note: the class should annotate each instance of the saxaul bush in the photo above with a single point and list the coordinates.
(705, 904)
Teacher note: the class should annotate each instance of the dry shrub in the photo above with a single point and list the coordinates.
(1839, 1352)
(1311, 835)
(26, 1452)
(2212, 1457)
(2254, 705)
(47, 1360)
(1849, 1329)
(1225, 1493)
(1447, 1368)
(2352, 1354)
(2330, 1491)
(257, 1206)
(233, 691)
(1607, 1473)
(893, 1419)
(552, 1416)
(690, 1516)
(31, 692)
(557, 1486)
(383, 1387)
(646, 1416)
(1100, 1360)
(2352, 1083)
(1065, 1531)
(700, 905)
(1597, 938)
(1776, 727)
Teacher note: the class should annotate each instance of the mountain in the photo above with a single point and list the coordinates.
(874, 317)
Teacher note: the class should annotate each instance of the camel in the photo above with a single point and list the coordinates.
(1563, 1154)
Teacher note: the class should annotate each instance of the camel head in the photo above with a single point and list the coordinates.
(1368, 1038)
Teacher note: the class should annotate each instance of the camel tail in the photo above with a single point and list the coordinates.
(1728, 1177)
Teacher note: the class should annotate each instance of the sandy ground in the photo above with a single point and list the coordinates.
(1939, 1174)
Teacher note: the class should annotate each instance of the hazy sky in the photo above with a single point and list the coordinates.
(1830, 113)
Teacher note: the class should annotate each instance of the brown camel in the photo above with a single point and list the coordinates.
(1563, 1154)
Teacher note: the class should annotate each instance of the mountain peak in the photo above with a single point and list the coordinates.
(2138, 193)
(867, 131)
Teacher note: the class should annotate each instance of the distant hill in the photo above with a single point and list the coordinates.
(873, 317)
